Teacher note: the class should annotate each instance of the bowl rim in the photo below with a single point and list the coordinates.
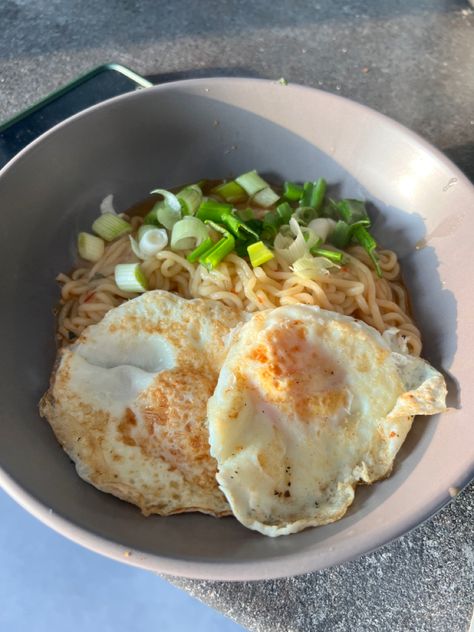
(289, 564)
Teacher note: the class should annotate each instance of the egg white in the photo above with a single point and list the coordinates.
(308, 404)
(128, 401)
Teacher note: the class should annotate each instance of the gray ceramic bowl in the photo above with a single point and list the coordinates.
(185, 131)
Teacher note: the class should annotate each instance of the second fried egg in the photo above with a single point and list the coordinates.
(309, 403)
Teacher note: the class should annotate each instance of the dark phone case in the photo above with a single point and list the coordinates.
(99, 84)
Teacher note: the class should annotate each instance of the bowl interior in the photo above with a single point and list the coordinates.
(186, 131)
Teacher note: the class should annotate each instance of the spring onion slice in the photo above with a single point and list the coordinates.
(202, 249)
(368, 243)
(170, 198)
(246, 214)
(129, 277)
(266, 197)
(318, 193)
(353, 211)
(109, 226)
(221, 213)
(323, 227)
(188, 233)
(284, 211)
(341, 234)
(259, 254)
(230, 192)
(251, 182)
(107, 205)
(213, 210)
(165, 212)
(309, 267)
(151, 218)
(292, 192)
(270, 224)
(304, 215)
(307, 192)
(144, 228)
(190, 198)
(152, 241)
(214, 256)
(295, 246)
(313, 194)
(90, 247)
(330, 255)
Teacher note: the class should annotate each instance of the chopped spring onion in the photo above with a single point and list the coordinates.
(107, 205)
(206, 245)
(170, 198)
(150, 241)
(313, 194)
(190, 198)
(341, 234)
(231, 192)
(323, 227)
(144, 228)
(220, 212)
(309, 267)
(221, 249)
(271, 224)
(251, 182)
(368, 243)
(90, 247)
(217, 227)
(129, 277)
(331, 255)
(165, 212)
(109, 226)
(246, 214)
(285, 212)
(266, 197)
(352, 211)
(188, 233)
(295, 246)
(305, 214)
(163, 215)
(259, 254)
(292, 191)
(274, 219)
(319, 191)
(210, 207)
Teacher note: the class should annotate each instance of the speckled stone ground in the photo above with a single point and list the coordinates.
(411, 60)
(422, 582)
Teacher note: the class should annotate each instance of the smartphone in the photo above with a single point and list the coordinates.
(99, 84)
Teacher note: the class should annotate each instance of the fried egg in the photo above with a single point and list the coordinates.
(308, 404)
(128, 402)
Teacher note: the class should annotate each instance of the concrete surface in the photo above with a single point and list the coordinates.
(413, 61)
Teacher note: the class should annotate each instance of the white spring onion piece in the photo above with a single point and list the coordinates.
(266, 197)
(295, 246)
(90, 247)
(188, 233)
(190, 198)
(109, 226)
(309, 267)
(150, 241)
(170, 199)
(129, 277)
(251, 182)
(323, 227)
(169, 210)
(107, 205)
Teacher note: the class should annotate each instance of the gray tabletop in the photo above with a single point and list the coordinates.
(413, 61)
